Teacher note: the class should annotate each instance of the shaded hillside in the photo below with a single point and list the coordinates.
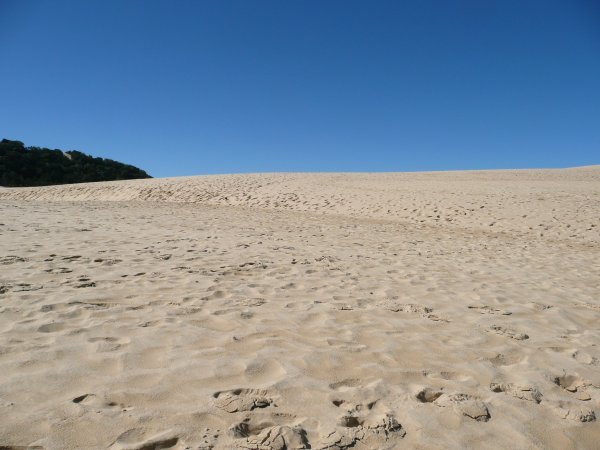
(35, 166)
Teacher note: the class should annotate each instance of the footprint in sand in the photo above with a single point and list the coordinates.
(528, 393)
(505, 360)
(11, 259)
(72, 258)
(353, 408)
(368, 423)
(26, 287)
(571, 383)
(51, 327)
(373, 431)
(448, 376)
(574, 384)
(137, 439)
(94, 401)
(428, 395)
(108, 262)
(585, 358)
(392, 304)
(237, 400)
(572, 411)
(267, 436)
(149, 323)
(465, 405)
(484, 309)
(508, 332)
(249, 302)
(346, 384)
(216, 295)
(541, 306)
(108, 343)
(84, 282)
(58, 270)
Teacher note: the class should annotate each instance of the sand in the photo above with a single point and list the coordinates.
(286, 311)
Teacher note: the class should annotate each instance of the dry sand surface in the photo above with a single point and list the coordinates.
(287, 311)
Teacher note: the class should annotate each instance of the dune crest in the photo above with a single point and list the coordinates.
(516, 201)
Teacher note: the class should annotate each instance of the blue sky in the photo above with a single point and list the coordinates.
(195, 87)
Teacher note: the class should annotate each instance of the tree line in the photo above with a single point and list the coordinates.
(38, 166)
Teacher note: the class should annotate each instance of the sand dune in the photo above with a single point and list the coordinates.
(323, 311)
(552, 202)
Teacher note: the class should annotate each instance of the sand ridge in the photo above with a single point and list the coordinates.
(561, 203)
(159, 322)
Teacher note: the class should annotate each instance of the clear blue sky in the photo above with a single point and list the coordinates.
(194, 87)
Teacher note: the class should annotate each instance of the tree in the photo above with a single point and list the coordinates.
(36, 166)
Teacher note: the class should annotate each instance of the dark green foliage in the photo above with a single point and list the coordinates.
(35, 166)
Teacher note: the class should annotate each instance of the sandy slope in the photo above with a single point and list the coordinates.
(319, 311)
(561, 203)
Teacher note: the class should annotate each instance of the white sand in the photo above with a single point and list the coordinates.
(323, 311)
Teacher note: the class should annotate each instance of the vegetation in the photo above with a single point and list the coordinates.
(35, 166)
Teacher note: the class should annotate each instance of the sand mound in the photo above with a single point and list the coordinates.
(293, 311)
(559, 203)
